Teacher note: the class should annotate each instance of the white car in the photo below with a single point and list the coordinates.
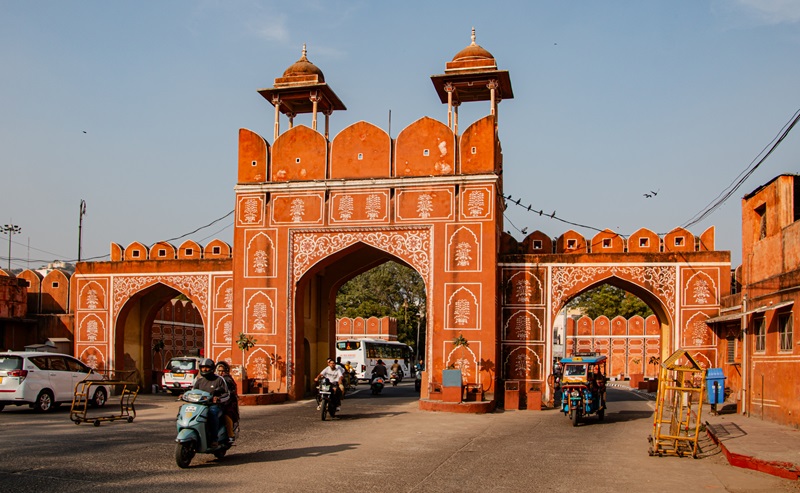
(44, 381)
(180, 373)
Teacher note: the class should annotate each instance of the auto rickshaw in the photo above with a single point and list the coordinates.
(583, 386)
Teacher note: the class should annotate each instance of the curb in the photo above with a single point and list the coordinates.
(785, 470)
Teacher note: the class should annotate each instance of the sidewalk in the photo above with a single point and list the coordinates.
(752, 443)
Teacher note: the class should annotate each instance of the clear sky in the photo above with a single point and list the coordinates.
(135, 107)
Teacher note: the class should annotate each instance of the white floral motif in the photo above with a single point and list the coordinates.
(229, 298)
(523, 327)
(260, 261)
(476, 203)
(462, 312)
(524, 290)
(196, 286)
(699, 332)
(701, 292)
(250, 210)
(92, 299)
(259, 313)
(522, 365)
(227, 329)
(91, 330)
(260, 368)
(346, 208)
(373, 206)
(462, 254)
(297, 210)
(463, 365)
(424, 206)
(91, 361)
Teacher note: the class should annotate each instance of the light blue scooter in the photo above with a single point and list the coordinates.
(191, 424)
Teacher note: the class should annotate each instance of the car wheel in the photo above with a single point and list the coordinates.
(99, 398)
(44, 402)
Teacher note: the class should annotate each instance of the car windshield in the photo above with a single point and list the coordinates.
(8, 363)
(181, 365)
(575, 370)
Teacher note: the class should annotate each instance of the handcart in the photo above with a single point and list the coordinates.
(125, 384)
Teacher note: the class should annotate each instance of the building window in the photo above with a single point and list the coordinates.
(761, 212)
(785, 332)
(644, 242)
(360, 156)
(215, 250)
(474, 150)
(606, 242)
(426, 152)
(254, 163)
(761, 334)
(135, 254)
(188, 252)
(55, 285)
(572, 244)
(678, 241)
(731, 349)
(537, 244)
(162, 252)
(297, 160)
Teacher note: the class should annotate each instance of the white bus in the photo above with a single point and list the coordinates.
(363, 355)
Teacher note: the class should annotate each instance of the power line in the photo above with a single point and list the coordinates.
(201, 227)
(745, 174)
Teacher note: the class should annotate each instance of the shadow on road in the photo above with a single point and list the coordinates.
(277, 455)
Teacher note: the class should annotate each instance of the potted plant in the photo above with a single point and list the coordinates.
(636, 376)
(245, 343)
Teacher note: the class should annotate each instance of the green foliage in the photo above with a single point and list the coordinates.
(610, 301)
(389, 290)
(245, 342)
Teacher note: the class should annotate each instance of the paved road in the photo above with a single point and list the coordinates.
(377, 444)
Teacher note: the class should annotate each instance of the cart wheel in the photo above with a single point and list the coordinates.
(97, 422)
(650, 452)
(76, 421)
(130, 419)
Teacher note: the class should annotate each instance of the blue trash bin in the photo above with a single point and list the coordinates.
(715, 386)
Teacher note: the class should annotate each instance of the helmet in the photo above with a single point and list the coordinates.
(209, 363)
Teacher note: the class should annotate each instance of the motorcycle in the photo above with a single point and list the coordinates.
(191, 424)
(583, 386)
(394, 378)
(325, 392)
(376, 386)
(418, 381)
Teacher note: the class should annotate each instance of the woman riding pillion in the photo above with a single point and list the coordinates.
(210, 382)
(335, 375)
(230, 410)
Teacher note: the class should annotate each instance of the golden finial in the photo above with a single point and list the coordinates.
(473, 35)
(304, 51)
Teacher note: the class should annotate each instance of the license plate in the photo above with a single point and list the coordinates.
(177, 375)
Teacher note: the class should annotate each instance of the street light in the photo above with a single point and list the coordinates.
(81, 213)
(10, 229)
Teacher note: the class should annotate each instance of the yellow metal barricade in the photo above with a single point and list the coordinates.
(123, 384)
(679, 404)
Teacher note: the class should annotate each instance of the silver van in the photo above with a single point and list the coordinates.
(44, 381)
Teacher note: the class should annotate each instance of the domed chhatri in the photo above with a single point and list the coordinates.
(303, 67)
(471, 76)
(474, 52)
(302, 89)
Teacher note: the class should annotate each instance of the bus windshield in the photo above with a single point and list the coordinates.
(348, 345)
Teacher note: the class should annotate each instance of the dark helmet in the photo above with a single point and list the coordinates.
(207, 363)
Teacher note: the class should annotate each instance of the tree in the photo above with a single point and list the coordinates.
(610, 301)
(389, 290)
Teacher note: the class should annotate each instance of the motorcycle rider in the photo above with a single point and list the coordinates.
(397, 369)
(212, 383)
(230, 410)
(334, 374)
(379, 371)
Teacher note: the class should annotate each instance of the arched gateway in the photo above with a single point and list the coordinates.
(311, 213)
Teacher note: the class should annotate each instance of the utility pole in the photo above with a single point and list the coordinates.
(80, 226)
(10, 229)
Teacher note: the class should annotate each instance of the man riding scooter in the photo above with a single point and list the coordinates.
(210, 382)
(334, 375)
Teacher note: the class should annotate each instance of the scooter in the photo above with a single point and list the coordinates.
(418, 381)
(394, 378)
(325, 391)
(191, 424)
(377, 385)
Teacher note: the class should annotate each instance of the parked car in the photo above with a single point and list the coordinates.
(45, 380)
(180, 373)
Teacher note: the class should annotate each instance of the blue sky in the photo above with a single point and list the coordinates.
(135, 106)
